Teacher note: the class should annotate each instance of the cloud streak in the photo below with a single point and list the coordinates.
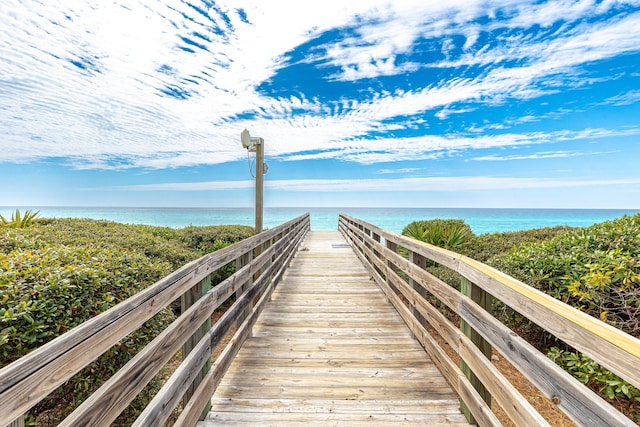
(86, 81)
(424, 184)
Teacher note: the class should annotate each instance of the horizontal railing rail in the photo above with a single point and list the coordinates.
(260, 262)
(409, 286)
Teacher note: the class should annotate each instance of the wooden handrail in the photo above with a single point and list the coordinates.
(397, 275)
(29, 379)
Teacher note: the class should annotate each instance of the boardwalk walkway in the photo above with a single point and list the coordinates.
(330, 350)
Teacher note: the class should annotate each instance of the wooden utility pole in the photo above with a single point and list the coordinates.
(256, 145)
(259, 183)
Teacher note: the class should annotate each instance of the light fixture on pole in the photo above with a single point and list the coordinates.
(256, 145)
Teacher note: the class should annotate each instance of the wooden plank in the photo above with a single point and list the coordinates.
(609, 346)
(310, 346)
(479, 296)
(186, 301)
(323, 380)
(418, 406)
(450, 371)
(267, 363)
(323, 419)
(286, 330)
(379, 371)
(26, 381)
(347, 392)
(104, 405)
(594, 338)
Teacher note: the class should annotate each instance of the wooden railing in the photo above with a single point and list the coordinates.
(260, 263)
(402, 276)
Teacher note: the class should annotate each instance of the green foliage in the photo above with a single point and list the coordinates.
(19, 221)
(446, 233)
(589, 372)
(486, 246)
(59, 273)
(211, 238)
(48, 291)
(596, 269)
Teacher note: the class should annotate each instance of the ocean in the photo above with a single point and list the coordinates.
(481, 220)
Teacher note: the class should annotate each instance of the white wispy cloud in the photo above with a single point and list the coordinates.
(626, 98)
(437, 184)
(88, 80)
(433, 147)
(397, 171)
(535, 156)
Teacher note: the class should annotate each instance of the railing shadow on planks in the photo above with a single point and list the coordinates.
(260, 262)
(409, 287)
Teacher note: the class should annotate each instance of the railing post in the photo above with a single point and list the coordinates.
(483, 299)
(241, 262)
(186, 301)
(421, 262)
(18, 422)
(392, 246)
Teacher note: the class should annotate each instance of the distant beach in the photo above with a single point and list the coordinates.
(481, 220)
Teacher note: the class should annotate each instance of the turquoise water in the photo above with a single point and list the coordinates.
(392, 219)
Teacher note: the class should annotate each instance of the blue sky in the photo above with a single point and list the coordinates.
(364, 103)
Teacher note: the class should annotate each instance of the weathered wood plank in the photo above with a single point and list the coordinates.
(194, 407)
(26, 381)
(104, 405)
(377, 371)
(323, 419)
(450, 371)
(310, 346)
(418, 407)
(609, 346)
(285, 330)
(352, 392)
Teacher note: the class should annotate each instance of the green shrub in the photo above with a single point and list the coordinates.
(446, 233)
(589, 372)
(59, 273)
(211, 238)
(46, 292)
(19, 221)
(486, 246)
(596, 269)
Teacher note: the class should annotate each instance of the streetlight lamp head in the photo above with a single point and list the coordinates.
(249, 142)
(245, 137)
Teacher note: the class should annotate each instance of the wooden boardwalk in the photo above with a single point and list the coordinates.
(330, 350)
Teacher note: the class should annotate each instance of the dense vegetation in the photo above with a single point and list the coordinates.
(57, 273)
(596, 269)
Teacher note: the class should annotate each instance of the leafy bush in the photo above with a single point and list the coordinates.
(19, 221)
(46, 292)
(486, 246)
(59, 273)
(596, 269)
(446, 233)
(209, 237)
(589, 372)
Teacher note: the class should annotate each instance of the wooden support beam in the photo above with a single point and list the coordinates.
(479, 296)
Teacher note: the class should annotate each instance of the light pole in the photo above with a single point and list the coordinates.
(256, 145)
